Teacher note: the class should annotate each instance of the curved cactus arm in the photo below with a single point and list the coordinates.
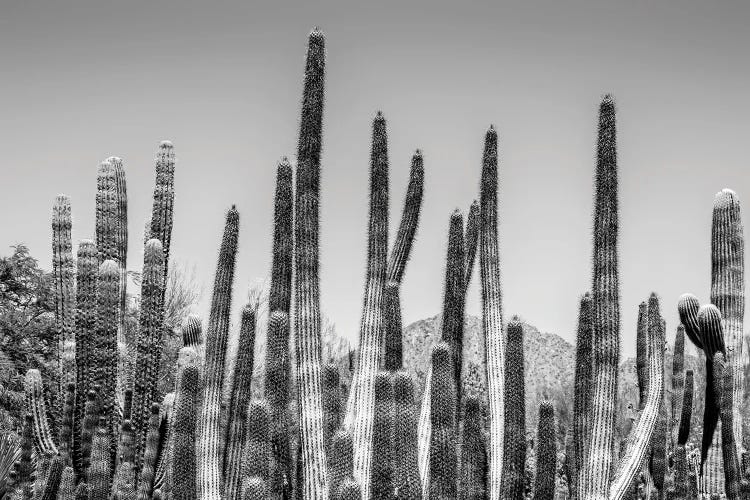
(687, 307)
(38, 409)
(636, 452)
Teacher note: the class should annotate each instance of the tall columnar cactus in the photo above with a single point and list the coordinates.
(235, 430)
(405, 458)
(125, 445)
(546, 453)
(63, 272)
(381, 477)
(349, 490)
(148, 343)
(85, 320)
(37, 407)
(340, 460)
(582, 389)
(307, 281)
(606, 307)
(277, 386)
(514, 453)
(641, 350)
(332, 401)
(492, 310)
(472, 480)
(728, 292)
(66, 426)
(454, 299)
(280, 295)
(67, 484)
(443, 461)
(361, 402)
(209, 458)
(124, 487)
(658, 465)
(88, 427)
(150, 454)
(24, 466)
(257, 454)
(192, 332)
(393, 355)
(678, 383)
(163, 205)
(723, 378)
(163, 474)
(681, 486)
(99, 476)
(183, 458)
(52, 481)
(104, 356)
(471, 240)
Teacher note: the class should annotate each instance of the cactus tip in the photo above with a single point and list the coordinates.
(166, 145)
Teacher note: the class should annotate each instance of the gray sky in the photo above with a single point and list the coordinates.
(86, 80)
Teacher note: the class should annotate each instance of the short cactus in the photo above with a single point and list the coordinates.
(381, 477)
(514, 453)
(186, 409)
(443, 460)
(546, 453)
(406, 481)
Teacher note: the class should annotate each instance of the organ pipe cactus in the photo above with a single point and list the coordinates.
(209, 458)
(36, 404)
(148, 342)
(381, 477)
(406, 479)
(52, 481)
(642, 354)
(341, 460)
(471, 240)
(681, 486)
(514, 453)
(163, 204)
(280, 295)
(307, 281)
(63, 272)
(658, 463)
(349, 490)
(546, 453)
(728, 292)
(88, 427)
(678, 382)
(723, 378)
(472, 479)
(67, 487)
(124, 487)
(99, 476)
(240, 398)
(582, 388)
(332, 404)
(454, 299)
(186, 408)
(442, 465)
(66, 426)
(257, 454)
(492, 311)
(150, 454)
(393, 356)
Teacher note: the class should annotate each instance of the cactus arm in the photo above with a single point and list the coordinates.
(514, 452)
(582, 388)
(471, 239)
(38, 408)
(406, 478)
(723, 388)
(443, 460)
(162, 211)
(546, 454)
(186, 408)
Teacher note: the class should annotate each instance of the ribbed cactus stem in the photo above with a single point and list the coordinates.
(712, 338)
(514, 453)
(63, 273)
(606, 307)
(332, 402)
(454, 299)
(472, 480)
(162, 211)
(728, 292)
(192, 333)
(163, 476)
(641, 349)
(240, 398)
(254, 488)
(340, 460)
(688, 306)
(280, 295)
(66, 426)
(277, 389)
(148, 343)
(678, 383)
(150, 454)
(38, 408)
(443, 460)
(85, 327)
(82, 491)
(88, 427)
(124, 487)
(125, 446)
(471, 240)
(209, 459)
(658, 463)
(635, 453)
(100, 471)
(492, 311)
(307, 280)
(406, 480)
(360, 406)
(257, 455)
(546, 453)
(186, 409)
(349, 490)
(393, 355)
(52, 482)
(67, 489)
(582, 388)
(381, 477)
(24, 466)
(723, 388)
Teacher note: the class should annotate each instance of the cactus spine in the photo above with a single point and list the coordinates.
(514, 452)
(36, 404)
(442, 465)
(341, 461)
(473, 464)
(235, 429)
(678, 383)
(723, 388)
(728, 291)
(63, 271)
(307, 281)
(186, 408)
(582, 388)
(492, 310)
(406, 480)
(100, 471)
(606, 308)
(258, 447)
(148, 348)
(546, 454)
(381, 478)
(209, 459)
(163, 204)
(658, 443)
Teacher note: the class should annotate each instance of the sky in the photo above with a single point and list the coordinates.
(82, 81)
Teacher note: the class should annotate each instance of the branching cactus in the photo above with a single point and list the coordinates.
(687, 307)
(163, 205)
(148, 353)
(514, 453)
(381, 477)
(546, 453)
(406, 481)
(393, 356)
(594, 479)
(443, 461)
(38, 408)
(360, 407)
(471, 240)
(473, 452)
(582, 389)
(492, 310)
(307, 281)
(728, 292)
(257, 457)
(88, 427)
(712, 337)
(209, 458)
(85, 320)
(340, 460)
(186, 409)
(63, 272)
(240, 398)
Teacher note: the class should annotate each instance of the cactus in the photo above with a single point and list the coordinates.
(681, 485)
(406, 480)
(85, 320)
(36, 404)
(163, 440)
(687, 307)
(280, 295)
(254, 488)
(728, 292)
(393, 348)
(492, 310)
(66, 427)
(124, 483)
(723, 378)
(126, 442)
(186, 408)
(442, 465)
(82, 491)
(332, 404)
(657, 466)
(148, 351)
(678, 383)
(63, 272)
(546, 453)
(150, 454)
(340, 460)
(67, 489)
(514, 452)
(582, 389)
(257, 454)
(307, 281)
(472, 480)
(709, 321)
(163, 204)
(594, 479)
(99, 476)
(381, 477)
(454, 299)
(471, 239)
(88, 427)
(349, 490)
(209, 459)
(52, 481)
(192, 333)
(277, 387)
(642, 354)
(236, 427)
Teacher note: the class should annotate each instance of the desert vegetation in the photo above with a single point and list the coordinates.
(103, 396)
